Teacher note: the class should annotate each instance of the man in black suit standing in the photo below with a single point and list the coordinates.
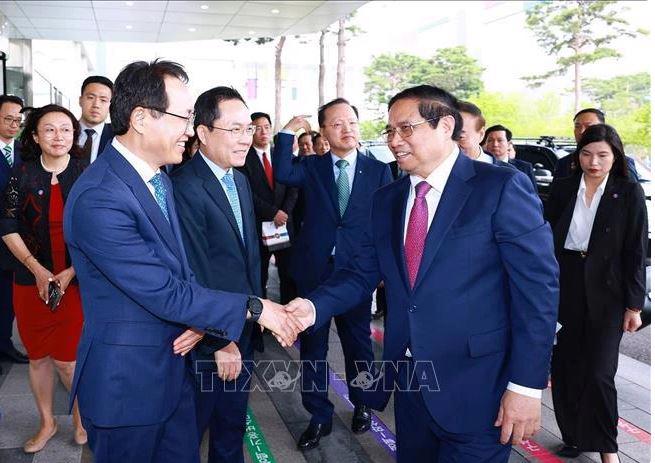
(215, 207)
(95, 133)
(496, 142)
(273, 202)
(10, 120)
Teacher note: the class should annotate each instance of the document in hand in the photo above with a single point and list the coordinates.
(275, 238)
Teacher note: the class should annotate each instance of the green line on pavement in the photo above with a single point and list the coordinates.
(254, 439)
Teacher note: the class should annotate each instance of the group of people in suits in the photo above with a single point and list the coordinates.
(170, 274)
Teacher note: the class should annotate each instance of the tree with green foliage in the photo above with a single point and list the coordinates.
(620, 93)
(450, 68)
(577, 33)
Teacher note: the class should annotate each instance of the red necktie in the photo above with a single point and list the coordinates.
(417, 230)
(268, 170)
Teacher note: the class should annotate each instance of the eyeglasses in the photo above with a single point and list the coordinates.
(236, 132)
(13, 120)
(405, 130)
(190, 119)
(260, 128)
(340, 125)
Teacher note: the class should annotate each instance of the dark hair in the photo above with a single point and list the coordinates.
(305, 134)
(207, 105)
(257, 115)
(599, 114)
(606, 133)
(497, 128)
(469, 108)
(10, 99)
(316, 136)
(321, 110)
(433, 103)
(141, 84)
(102, 80)
(31, 149)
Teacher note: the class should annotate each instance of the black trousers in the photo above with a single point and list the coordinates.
(282, 259)
(584, 364)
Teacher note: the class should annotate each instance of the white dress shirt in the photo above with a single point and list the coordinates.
(2, 149)
(96, 138)
(142, 167)
(260, 154)
(577, 239)
(484, 157)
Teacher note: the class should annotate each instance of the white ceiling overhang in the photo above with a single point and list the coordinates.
(167, 21)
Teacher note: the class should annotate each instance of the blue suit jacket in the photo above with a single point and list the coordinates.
(138, 295)
(527, 169)
(217, 255)
(323, 228)
(484, 305)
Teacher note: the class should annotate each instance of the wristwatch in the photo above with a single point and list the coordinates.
(255, 307)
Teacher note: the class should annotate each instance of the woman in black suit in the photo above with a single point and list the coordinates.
(600, 229)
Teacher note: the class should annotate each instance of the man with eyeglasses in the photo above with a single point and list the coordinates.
(472, 286)
(273, 200)
(10, 120)
(95, 133)
(338, 188)
(135, 393)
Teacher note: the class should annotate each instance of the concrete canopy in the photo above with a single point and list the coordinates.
(167, 21)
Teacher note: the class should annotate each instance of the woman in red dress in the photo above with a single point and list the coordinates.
(31, 226)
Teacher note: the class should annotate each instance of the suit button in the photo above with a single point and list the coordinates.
(412, 308)
(607, 229)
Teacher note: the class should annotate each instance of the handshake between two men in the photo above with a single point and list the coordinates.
(286, 322)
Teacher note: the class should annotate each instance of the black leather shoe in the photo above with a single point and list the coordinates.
(312, 435)
(14, 355)
(361, 419)
(568, 451)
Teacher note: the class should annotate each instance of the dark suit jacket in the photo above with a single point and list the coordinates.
(138, 294)
(565, 167)
(217, 255)
(105, 137)
(323, 228)
(527, 169)
(7, 260)
(616, 261)
(267, 202)
(483, 308)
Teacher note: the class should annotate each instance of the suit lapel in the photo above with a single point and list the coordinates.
(175, 225)
(361, 170)
(130, 176)
(604, 212)
(398, 212)
(452, 200)
(326, 173)
(256, 164)
(561, 228)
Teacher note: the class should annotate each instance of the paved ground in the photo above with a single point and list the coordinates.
(281, 418)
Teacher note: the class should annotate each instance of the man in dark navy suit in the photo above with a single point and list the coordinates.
(472, 286)
(337, 188)
(95, 133)
(496, 142)
(10, 156)
(215, 206)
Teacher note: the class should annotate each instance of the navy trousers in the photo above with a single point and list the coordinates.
(171, 441)
(221, 406)
(420, 438)
(6, 309)
(354, 328)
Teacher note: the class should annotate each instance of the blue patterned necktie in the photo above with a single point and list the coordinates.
(7, 152)
(233, 198)
(343, 186)
(160, 193)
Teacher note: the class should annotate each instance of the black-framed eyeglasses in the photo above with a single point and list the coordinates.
(405, 130)
(190, 119)
(238, 132)
(13, 120)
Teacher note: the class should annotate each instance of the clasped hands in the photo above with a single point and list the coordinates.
(286, 322)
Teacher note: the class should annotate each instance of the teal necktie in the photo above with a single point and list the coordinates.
(343, 186)
(160, 193)
(8, 156)
(233, 198)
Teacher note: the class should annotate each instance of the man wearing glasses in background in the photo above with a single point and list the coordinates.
(10, 120)
(338, 188)
(273, 202)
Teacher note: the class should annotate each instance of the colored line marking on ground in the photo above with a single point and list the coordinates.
(255, 441)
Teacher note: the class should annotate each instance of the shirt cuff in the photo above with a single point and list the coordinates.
(527, 391)
(290, 132)
(311, 304)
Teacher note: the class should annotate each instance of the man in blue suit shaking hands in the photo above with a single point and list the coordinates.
(472, 286)
(138, 292)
